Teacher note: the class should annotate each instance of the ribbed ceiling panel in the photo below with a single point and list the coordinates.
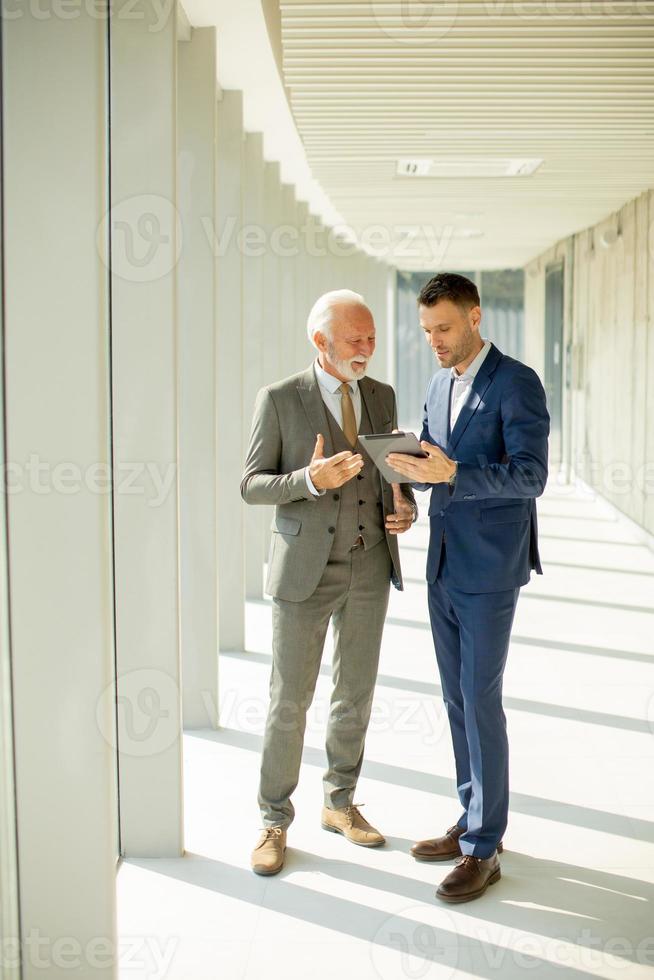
(568, 81)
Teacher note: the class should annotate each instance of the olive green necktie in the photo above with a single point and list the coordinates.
(349, 418)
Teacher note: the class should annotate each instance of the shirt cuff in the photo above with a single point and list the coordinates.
(316, 493)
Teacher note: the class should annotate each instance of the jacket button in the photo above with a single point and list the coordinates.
(359, 476)
(361, 503)
(331, 530)
(442, 513)
(336, 497)
(361, 527)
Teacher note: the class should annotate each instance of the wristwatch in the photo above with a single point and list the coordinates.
(452, 479)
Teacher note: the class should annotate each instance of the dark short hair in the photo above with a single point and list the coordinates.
(449, 285)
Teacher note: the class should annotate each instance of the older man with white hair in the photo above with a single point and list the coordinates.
(333, 555)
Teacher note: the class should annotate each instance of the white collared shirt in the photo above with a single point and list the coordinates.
(463, 383)
(332, 397)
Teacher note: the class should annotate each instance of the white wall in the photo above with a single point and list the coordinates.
(9, 912)
(145, 242)
(229, 373)
(608, 420)
(130, 340)
(60, 522)
(197, 410)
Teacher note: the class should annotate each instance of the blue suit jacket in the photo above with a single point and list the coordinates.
(500, 442)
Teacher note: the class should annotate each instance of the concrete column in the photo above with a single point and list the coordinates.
(315, 247)
(304, 299)
(253, 328)
(232, 427)
(379, 302)
(354, 274)
(9, 908)
(146, 240)
(273, 368)
(390, 283)
(288, 243)
(58, 454)
(196, 297)
(343, 263)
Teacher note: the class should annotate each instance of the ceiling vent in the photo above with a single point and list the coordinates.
(407, 167)
(466, 167)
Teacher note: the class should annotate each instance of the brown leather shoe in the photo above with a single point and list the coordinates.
(442, 848)
(469, 878)
(268, 855)
(349, 822)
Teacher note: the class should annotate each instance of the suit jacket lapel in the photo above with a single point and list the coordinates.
(314, 406)
(478, 388)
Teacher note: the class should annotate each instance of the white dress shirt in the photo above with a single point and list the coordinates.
(332, 396)
(463, 383)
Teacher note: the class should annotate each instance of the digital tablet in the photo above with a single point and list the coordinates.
(379, 446)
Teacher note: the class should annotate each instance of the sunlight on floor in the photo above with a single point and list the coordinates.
(576, 896)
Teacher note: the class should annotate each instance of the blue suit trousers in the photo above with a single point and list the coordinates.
(471, 634)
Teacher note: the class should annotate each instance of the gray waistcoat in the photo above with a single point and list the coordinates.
(360, 510)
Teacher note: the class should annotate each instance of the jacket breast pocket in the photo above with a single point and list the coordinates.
(285, 525)
(504, 515)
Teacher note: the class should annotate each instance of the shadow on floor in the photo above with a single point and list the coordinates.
(590, 910)
(514, 704)
(560, 812)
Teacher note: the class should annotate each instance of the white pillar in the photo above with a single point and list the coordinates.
(303, 294)
(232, 428)
(314, 245)
(58, 449)
(196, 294)
(288, 244)
(254, 249)
(390, 283)
(273, 368)
(378, 300)
(145, 243)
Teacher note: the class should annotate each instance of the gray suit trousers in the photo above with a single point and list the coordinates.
(353, 592)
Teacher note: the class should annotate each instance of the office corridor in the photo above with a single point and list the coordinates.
(577, 890)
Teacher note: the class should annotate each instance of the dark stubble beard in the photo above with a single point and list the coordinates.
(463, 349)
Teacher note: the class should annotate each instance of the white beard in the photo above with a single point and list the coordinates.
(346, 368)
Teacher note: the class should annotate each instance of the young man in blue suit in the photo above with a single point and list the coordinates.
(485, 429)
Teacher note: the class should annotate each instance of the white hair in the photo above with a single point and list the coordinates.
(321, 316)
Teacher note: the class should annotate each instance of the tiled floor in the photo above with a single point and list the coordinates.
(576, 896)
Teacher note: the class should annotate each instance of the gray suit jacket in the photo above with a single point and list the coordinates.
(287, 418)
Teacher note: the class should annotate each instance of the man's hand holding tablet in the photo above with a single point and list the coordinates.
(403, 445)
(433, 467)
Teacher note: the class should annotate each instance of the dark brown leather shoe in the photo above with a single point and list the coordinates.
(469, 878)
(442, 848)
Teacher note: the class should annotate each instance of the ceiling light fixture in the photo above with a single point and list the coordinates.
(467, 167)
